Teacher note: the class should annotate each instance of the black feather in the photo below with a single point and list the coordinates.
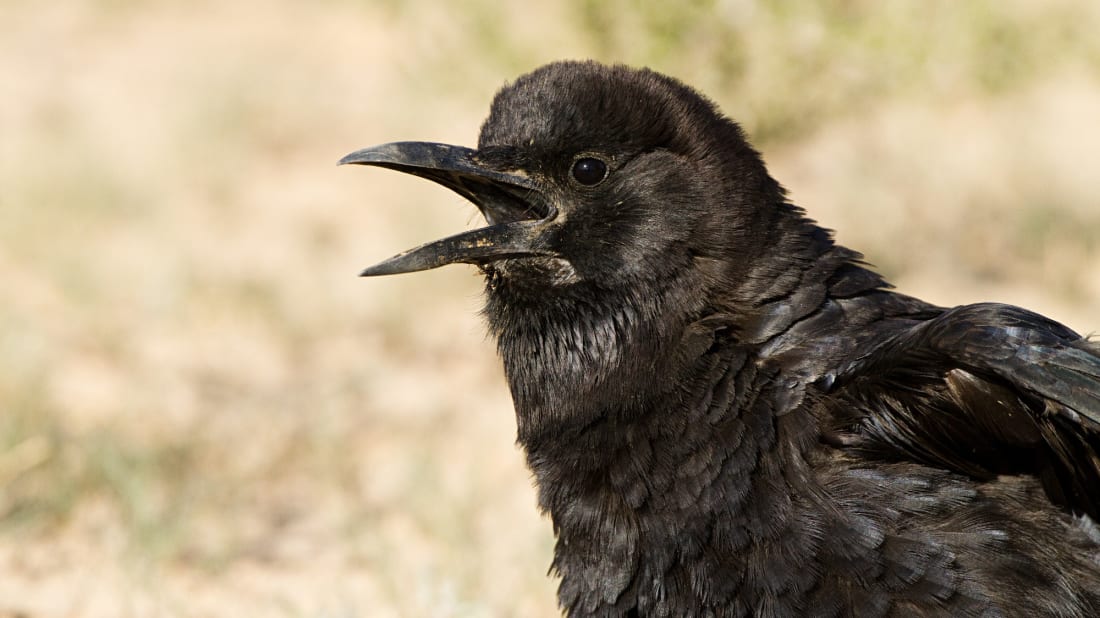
(726, 413)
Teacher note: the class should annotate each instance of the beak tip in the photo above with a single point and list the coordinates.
(387, 267)
(365, 156)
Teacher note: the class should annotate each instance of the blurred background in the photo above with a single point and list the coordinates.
(204, 412)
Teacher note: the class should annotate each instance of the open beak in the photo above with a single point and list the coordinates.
(511, 203)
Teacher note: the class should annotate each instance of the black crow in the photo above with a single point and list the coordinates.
(728, 414)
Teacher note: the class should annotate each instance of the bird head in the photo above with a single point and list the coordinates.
(630, 225)
(591, 175)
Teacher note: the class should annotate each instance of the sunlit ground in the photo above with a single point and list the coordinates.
(204, 412)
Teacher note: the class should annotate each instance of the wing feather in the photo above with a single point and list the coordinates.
(984, 390)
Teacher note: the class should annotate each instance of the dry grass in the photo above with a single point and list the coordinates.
(203, 412)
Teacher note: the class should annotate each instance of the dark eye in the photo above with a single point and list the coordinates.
(589, 170)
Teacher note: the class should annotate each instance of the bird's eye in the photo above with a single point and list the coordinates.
(589, 171)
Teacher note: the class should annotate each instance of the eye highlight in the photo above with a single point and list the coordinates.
(589, 171)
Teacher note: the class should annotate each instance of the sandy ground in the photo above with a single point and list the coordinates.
(203, 412)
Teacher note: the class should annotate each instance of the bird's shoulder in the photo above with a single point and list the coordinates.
(984, 390)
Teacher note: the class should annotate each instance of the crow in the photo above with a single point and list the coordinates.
(728, 414)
